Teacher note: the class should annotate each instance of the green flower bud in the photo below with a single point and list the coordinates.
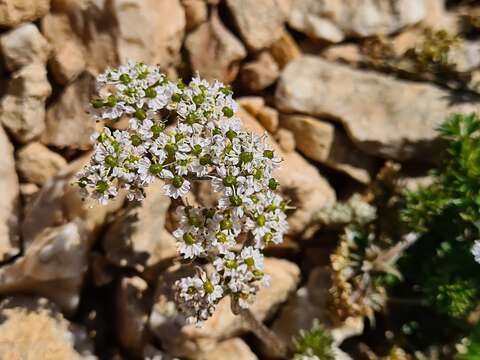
(82, 182)
(228, 112)
(261, 220)
(140, 114)
(101, 186)
(221, 237)
(250, 262)
(258, 174)
(226, 224)
(151, 93)
(231, 264)
(198, 99)
(177, 181)
(110, 161)
(125, 79)
(176, 97)
(235, 200)
(197, 150)
(191, 118)
(205, 160)
(155, 169)
(156, 130)
(267, 238)
(245, 157)
(208, 287)
(217, 131)
(231, 134)
(189, 239)
(268, 154)
(111, 101)
(272, 184)
(136, 140)
(97, 103)
(229, 180)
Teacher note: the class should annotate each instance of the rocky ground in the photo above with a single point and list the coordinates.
(82, 281)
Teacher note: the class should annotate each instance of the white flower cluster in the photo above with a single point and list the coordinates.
(476, 251)
(206, 143)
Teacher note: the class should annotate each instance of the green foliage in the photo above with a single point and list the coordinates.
(314, 342)
(454, 299)
(472, 351)
(456, 189)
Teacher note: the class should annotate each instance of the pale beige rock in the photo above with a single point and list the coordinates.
(269, 118)
(78, 28)
(260, 73)
(381, 115)
(333, 20)
(310, 303)
(9, 201)
(285, 139)
(260, 23)
(137, 238)
(234, 348)
(194, 342)
(132, 307)
(14, 12)
(159, 40)
(53, 265)
(346, 53)
(68, 54)
(36, 163)
(67, 122)
(32, 328)
(196, 12)
(22, 46)
(28, 191)
(22, 109)
(321, 141)
(299, 181)
(214, 51)
(252, 104)
(59, 202)
(285, 49)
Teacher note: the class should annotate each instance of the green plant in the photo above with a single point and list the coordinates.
(314, 343)
(471, 346)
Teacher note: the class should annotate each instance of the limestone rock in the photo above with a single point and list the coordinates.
(345, 53)
(9, 201)
(68, 54)
(67, 123)
(309, 303)
(22, 109)
(36, 163)
(22, 46)
(32, 328)
(285, 49)
(59, 202)
(260, 73)
(132, 314)
(334, 21)
(196, 12)
(234, 348)
(214, 51)
(14, 12)
(381, 115)
(78, 28)
(137, 238)
(260, 23)
(253, 104)
(285, 139)
(322, 142)
(299, 181)
(268, 117)
(159, 40)
(194, 342)
(53, 265)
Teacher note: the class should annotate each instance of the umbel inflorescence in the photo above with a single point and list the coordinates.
(206, 143)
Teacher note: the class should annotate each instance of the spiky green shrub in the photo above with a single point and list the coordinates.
(313, 343)
(447, 215)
